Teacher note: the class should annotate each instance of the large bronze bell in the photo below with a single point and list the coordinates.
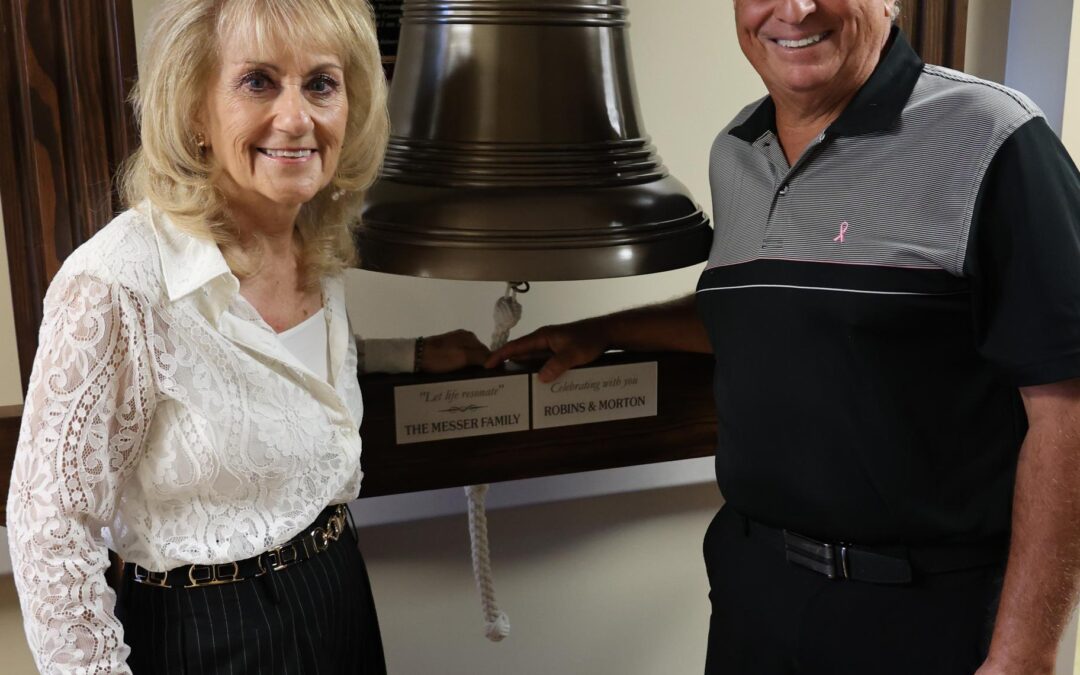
(517, 150)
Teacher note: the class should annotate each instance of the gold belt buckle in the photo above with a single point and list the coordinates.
(321, 539)
(145, 576)
(225, 573)
(335, 525)
(277, 558)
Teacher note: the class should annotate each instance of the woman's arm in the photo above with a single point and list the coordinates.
(87, 410)
(442, 353)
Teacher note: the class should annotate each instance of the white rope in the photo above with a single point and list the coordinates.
(507, 314)
(496, 623)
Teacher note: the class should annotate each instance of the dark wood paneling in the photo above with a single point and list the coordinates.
(685, 427)
(909, 21)
(958, 11)
(937, 29)
(66, 67)
(934, 25)
(9, 436)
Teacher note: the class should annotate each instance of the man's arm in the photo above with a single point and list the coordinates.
(669, 326)
(1043, 572)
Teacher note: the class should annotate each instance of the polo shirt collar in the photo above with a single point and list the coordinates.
(876, 106)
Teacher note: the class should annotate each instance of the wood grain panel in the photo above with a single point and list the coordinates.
(934, 25)
(909, 22)
(9, 436)
(937, 29)
(66, 69)
(958, 12)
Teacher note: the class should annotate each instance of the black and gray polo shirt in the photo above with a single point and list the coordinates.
(875, 307)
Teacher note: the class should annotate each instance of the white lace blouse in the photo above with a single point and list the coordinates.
(165, 420)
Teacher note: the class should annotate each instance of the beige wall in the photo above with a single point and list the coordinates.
(691, 79)
(1070, 136)
(10, 382)
(608, 585)
(987, 39)
(1070, 128)
(604, 585)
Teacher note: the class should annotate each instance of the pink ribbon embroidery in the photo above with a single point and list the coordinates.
(843, 230)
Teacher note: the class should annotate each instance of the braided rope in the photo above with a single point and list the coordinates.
(496, 623)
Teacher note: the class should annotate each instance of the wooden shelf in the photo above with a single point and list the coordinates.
(685, 427)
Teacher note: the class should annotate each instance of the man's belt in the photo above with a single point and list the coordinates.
(874, 564)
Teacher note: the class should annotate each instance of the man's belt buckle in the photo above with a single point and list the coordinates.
(145, 576)
(212, 575)
(828, 559)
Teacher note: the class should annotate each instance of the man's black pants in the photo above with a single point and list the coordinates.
(770, 617)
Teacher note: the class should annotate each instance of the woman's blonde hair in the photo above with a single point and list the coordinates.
(173, 172)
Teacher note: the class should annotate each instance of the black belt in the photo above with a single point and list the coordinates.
(875, 564)
(327, 529)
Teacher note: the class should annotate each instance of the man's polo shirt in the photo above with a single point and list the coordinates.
(874, 308)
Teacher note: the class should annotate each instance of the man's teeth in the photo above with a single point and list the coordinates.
(292, 154)
(805, 42)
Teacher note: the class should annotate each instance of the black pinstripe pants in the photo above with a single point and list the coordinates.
(316, 617)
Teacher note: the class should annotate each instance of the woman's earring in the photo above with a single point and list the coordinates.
(200, 140)
(336, 195)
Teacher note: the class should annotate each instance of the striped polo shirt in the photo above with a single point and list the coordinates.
(874, 308)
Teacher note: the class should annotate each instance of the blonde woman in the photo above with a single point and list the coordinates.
(194, 404)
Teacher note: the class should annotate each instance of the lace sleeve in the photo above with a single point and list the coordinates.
(89, 402)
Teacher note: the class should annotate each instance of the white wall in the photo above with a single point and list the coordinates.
(609, 584)
(1070, 136)
(1038, 49)
(1070, 131)
(606, 585)
(10, 381)
(987, 39)
(691, 79)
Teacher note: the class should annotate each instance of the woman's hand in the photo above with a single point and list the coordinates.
(452, 351)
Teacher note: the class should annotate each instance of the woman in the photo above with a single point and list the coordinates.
(193, 404)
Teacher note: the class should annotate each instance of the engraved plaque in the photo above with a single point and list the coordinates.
(461, 408)
(599, 394)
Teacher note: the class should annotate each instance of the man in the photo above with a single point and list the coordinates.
(893, 301)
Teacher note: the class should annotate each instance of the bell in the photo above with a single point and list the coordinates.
(517, 151)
